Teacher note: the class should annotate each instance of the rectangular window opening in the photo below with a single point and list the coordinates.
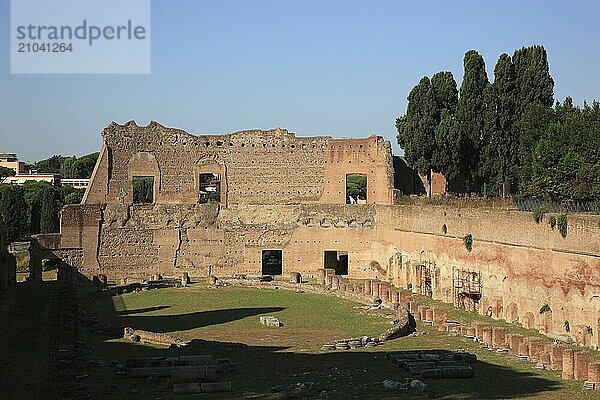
(143, 189)
(210, 188)
(272, 262)
(356, 189)
(336, 260)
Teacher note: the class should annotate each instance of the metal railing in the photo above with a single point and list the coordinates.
(566, 206)
(516, 203)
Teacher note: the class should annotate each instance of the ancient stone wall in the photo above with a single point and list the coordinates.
(523, 265)
(287, 194)
(257, 167)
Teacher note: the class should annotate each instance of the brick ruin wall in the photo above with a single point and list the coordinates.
(270, 202)
(523, 265)
(257, 167)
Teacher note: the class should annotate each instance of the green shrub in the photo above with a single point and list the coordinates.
(589, 330)
(538, 214)
(562, 225)
(468, 241)
(545, 308)
(552, 221)
(444, 229)
(567, 326)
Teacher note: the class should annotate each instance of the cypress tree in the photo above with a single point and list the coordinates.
(445, 93)
(416, 129)
(34, 196)
(49, 215)
(470, 119)
(533, 81)
(446, 146)
(534, 90)
(447, 157)
(13, 210)
(499, 151)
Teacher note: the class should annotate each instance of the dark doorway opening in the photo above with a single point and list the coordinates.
(272, 262)
(143, 189)
(336, 260)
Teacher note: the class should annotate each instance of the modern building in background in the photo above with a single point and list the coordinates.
(24, 173)
(10, 160)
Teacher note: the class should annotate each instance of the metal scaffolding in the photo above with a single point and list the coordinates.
(467, 288)
(426, 283)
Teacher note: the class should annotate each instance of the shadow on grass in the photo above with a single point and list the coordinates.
(261, 370)
(184, 322)
(141, 310)
(342, 375)
(28, 336)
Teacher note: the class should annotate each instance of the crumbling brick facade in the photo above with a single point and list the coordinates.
(258, 167)
(288, 194)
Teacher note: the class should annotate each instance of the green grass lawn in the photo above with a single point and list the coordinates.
(228, 319)
(232, 313)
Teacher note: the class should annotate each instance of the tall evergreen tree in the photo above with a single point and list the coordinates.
(49, 215)
(533, 125)
(446, 147)
(13, 210)
(485, 138)
(534, 88)
(470, 119)
(445, 92)
(447, 157)
(85, 165)
(34, 197)
(533, 81)
(416, 129)
(499, 150)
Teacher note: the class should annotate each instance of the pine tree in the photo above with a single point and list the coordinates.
(68, 168)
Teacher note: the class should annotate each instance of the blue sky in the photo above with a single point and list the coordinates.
(338, 68)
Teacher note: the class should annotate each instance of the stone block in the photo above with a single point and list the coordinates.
(295, 277)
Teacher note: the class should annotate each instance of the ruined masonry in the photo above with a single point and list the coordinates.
(282, 209)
